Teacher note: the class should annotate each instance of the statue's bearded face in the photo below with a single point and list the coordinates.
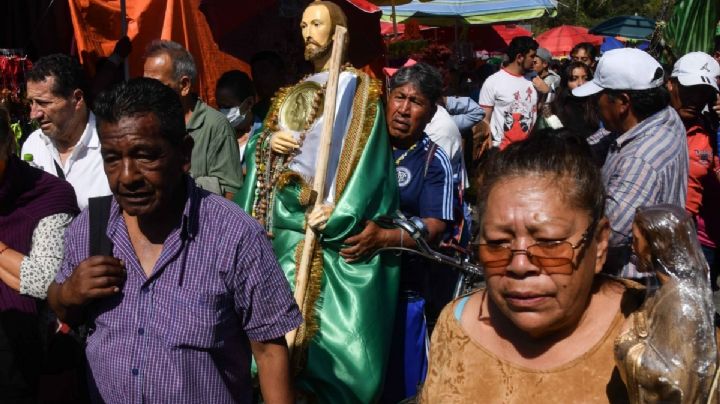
(317, 28)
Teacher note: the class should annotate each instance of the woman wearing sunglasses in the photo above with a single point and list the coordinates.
(543, 329)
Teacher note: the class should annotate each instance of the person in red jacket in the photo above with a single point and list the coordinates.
(693, 86)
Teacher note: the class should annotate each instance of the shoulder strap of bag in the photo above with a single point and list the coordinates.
(60, 172)
(429, 156)
(100, 243)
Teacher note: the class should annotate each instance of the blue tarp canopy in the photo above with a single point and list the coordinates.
(610, 43)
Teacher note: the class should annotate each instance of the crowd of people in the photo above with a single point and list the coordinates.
(156, 249)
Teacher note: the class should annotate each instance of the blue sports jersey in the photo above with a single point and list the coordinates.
(426, 181)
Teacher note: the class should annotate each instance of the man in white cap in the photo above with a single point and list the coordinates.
(693, 87)
(647, 162)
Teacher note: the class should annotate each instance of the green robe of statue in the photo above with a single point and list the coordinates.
(350, 311)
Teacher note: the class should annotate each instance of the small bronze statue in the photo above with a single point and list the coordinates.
(668, 354)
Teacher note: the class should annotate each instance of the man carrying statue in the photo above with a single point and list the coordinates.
(341, 349)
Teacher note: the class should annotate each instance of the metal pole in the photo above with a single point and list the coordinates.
(394, 20)
(123, 33)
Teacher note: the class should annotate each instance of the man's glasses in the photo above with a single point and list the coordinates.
(554, 257)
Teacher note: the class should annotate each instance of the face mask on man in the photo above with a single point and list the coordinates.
(235, 116)
(238, 115)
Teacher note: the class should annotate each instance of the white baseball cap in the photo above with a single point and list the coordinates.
(623, 69)
(697, 68)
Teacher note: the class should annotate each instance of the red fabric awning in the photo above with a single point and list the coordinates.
(509, 31)
(386, 28)
(560, 40)
(365, 6)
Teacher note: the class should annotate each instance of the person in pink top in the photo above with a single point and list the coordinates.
(692, 87)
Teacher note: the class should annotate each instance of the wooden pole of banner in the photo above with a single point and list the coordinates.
(303, 274)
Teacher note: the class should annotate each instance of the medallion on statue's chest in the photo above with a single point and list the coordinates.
(300, 107)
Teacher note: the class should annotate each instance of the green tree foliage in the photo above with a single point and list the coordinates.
(588, 13)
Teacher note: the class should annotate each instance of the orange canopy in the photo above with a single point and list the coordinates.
(97, 27)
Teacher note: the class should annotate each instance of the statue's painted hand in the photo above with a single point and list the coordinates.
(283, 142)
(317, 219)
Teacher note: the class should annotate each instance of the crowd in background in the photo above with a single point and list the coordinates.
(623, 130)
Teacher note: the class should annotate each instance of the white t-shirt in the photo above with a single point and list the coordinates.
(444, 132)
(514, 102)
(83, 169)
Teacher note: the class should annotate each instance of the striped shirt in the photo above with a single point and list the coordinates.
(183, 334)
(426, 181)
(646, 165)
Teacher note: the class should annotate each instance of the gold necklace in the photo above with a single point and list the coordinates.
(402, 156)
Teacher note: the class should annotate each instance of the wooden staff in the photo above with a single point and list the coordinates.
(303, 273)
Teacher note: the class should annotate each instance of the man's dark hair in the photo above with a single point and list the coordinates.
(141, 96)
(69, 76)
(644, 102)
(557, 155)
(270, 57)
(182, 61)
(238, 83)
(587, 47)
(425, 77)
(520, 45)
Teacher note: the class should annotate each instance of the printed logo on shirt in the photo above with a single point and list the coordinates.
(403, 176)
(520, 116)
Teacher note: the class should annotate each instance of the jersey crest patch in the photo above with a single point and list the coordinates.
(403, 176)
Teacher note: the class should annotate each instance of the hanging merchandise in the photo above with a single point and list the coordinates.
(14, 64)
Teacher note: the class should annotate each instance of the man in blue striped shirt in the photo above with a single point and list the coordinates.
(647, 162)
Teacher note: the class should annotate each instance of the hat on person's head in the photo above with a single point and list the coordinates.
(697, 68)
(544, 54)
(624, 69)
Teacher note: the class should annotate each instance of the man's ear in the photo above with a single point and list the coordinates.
(185, 86)
(602, 238)
(187, 146)
(669, 85)
(79, 97)
(623, 100)
(248, 103)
